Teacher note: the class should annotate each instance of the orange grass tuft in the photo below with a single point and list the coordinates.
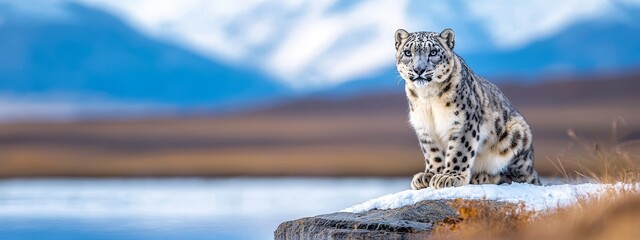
(606, 161)
(479, 219)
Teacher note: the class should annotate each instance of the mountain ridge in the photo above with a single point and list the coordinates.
(91, 55)
(96, 53)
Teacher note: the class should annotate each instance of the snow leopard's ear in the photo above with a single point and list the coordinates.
(400, 35)
(448, 37)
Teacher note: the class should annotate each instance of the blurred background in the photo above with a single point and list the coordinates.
(93, 92)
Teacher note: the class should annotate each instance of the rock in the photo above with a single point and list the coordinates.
(408, 222)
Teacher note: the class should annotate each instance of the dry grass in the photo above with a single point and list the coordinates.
(615, 215)
(484, 220)
(607, 160)
(612, 215)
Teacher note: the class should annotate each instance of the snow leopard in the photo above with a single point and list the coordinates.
(468, 131)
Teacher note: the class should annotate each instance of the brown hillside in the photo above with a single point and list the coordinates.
(368, 135)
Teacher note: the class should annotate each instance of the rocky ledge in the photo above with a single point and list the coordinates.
(408, 222)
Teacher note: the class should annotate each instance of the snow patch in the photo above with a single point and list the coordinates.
(65, 106)
(243, 199)
(520, 22)
(534, 197)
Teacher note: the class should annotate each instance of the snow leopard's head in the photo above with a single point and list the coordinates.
(422, 57)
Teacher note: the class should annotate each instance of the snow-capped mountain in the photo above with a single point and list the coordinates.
(310, 44)
(89, 57)
(194, 53)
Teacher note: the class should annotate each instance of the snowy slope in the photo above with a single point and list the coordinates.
(534, 197)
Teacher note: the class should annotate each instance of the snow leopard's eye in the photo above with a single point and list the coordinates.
(433, 53)
(407, 53)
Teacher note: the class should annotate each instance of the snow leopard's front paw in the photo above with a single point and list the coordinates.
(447, 180)
(421, 180)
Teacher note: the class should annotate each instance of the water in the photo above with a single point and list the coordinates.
(237, 208)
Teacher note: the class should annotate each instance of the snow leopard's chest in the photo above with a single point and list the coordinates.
(431, 116)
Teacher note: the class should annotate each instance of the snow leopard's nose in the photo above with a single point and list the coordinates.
(419, 71)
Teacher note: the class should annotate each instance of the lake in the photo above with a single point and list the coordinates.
(191, 208)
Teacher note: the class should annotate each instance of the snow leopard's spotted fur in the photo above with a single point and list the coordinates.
(468, 131)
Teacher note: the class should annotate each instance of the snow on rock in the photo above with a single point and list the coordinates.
(534, 197)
